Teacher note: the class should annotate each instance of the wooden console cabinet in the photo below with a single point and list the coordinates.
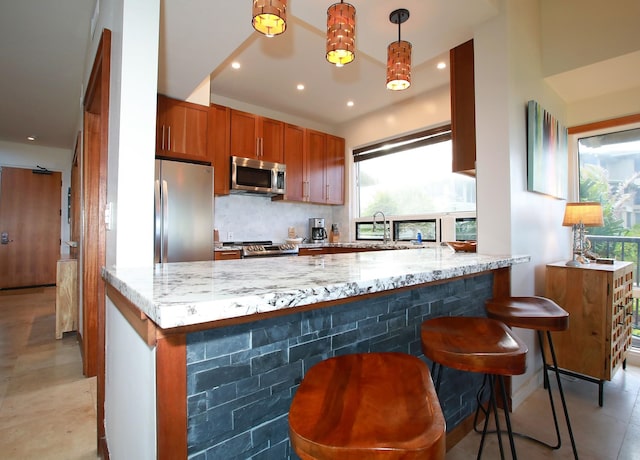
(599, 300)
(66, 296)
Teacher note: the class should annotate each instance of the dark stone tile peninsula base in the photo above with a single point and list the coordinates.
(241, 379)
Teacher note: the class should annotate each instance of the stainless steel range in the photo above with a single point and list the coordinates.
(267, 249)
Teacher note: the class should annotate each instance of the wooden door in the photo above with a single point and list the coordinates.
(294, 159)
(244, 134)
(272, 140)
(30, 208)
(316, 153)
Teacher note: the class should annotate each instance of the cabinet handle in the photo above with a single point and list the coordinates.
(262, 146)
(232, 253)
(162, 141)
(169, 138)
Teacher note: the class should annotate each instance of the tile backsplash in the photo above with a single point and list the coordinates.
(255, 217)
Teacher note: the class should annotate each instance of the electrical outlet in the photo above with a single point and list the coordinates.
(229, 236)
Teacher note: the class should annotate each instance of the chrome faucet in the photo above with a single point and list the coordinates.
(385, 234)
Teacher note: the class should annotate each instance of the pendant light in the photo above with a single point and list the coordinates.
(399, 56)
(341, 33)
(270, 16)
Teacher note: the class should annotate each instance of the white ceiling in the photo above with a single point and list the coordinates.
(44, 43)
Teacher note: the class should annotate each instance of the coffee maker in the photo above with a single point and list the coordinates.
(317, 230)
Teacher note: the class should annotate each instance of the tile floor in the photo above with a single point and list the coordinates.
(47, 408)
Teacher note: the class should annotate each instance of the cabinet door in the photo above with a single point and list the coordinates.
(334, 170)
(316, 153)
(271, 139)
(226, 255)
(294, 159)
(244, 139)
(218, 146)
(314, 251)
(463, 108)
(181, 130)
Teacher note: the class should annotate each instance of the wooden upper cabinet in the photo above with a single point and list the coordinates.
(316, 147)
(334, 166)
(181, 130)
(218, 134)
(294, 160)
(463, 108)
(324, 155)
(272, 140)
(256, 137)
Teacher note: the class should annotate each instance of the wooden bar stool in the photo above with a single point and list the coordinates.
(481, 345)
(542, 315)
(367, 406)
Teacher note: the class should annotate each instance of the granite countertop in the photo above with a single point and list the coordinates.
(180, 294)
(353, 244)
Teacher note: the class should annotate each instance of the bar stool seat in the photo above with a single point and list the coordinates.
(542, 315)
(482, 345)
(537, 313)
(367, 406)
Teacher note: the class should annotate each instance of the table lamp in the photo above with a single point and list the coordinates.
(579, 216)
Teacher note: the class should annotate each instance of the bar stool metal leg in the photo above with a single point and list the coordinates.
(561, 391)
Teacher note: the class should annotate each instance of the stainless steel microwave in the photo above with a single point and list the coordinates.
(256, 176)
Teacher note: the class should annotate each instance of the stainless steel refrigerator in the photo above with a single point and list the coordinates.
(183, 212)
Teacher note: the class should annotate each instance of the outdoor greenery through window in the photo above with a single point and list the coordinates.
(610, 175)
(412, 176)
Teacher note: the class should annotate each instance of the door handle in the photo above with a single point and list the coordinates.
(4, 238)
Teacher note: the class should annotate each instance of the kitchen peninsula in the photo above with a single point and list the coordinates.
(232, 340)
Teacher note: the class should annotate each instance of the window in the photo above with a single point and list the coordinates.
(610, 174)
(412, 175)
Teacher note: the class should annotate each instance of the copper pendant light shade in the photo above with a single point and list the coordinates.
(270, 16)
(341, 33)
(399, 56)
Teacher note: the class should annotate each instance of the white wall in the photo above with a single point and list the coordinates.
(511, 219)
(604, 107)
(131, 416)
(29, 156)
(130, 365)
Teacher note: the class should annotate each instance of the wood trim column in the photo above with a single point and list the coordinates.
(171, 396)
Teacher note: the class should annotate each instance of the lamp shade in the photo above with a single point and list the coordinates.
(399, 56)
(341, 33)
(399, 65)
(270, 16)
(587, 214)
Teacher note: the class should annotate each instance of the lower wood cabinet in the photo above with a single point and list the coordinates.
(66, 296)
(227, 255)
(598, 298)
(332, 250)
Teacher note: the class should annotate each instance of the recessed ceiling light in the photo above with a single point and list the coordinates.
(441, 65)
(32, 138)
(235, 65)
(300, 87)
(350, 104)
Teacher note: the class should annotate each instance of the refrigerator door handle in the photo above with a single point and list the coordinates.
(165, 220)
(157, 214)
